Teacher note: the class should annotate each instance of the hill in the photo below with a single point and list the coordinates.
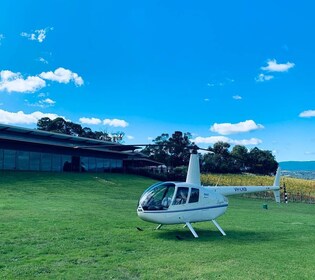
(298, 165)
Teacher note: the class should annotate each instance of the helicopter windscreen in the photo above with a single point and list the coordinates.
(157, 197)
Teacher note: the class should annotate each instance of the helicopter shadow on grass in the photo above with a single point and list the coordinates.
(237, 236)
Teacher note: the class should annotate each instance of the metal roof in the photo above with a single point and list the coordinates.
(8, 132)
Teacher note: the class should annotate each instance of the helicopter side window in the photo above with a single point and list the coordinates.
(194, 195)
(181, 196)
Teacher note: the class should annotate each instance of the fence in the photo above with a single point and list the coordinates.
(291, 197)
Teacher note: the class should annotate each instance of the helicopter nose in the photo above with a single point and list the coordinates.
(142, 215)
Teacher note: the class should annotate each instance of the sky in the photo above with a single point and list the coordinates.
(241, 72)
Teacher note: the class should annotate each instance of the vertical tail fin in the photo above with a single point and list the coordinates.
(276, 183)
(193, 173)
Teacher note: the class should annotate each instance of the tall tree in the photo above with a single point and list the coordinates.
(262, 162)
(179, 144)
(172, 151)
(240, 156)
(44, 123)
(159, 150)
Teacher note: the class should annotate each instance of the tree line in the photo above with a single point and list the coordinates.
(174, 151)
(59, 125)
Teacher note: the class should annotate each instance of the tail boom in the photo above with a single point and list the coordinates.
(234, 190)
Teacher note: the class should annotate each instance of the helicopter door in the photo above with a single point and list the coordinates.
(181, 195)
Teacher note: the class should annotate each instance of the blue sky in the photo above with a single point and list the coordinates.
(237, 71)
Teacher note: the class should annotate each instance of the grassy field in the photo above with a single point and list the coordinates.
(83, 226)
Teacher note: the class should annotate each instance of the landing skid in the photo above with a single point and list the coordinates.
(218, 227)
(196, 235)
(159, 226)
(192, 230)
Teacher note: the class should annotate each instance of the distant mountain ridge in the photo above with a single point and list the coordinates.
(298, 165)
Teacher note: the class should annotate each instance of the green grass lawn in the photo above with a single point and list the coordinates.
(83, 226)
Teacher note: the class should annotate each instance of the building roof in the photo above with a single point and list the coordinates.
(78, 145)
(13, 133)
(35, 136)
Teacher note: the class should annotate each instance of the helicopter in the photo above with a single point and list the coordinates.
(188, 202)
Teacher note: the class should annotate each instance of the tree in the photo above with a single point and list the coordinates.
(44, 124)
(220, 161)
(221, 148)
(172, 151)
(262, 162)
(240, 156)
(159, 150)
(59, 125)
(238, 160)
(118, 136)
(179, 145)
(88, 133)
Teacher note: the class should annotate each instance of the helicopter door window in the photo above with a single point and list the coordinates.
(158, 197)
(194, 195)
(166, 201)
(181, 196)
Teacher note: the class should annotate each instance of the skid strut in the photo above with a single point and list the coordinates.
(218, 227)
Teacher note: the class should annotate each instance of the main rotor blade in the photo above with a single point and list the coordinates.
(137, 146)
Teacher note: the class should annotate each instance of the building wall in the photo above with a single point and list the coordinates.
(16, 159)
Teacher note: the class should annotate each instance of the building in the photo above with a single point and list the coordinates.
(36, 150)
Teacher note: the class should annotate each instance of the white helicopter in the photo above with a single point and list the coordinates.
(189, 202)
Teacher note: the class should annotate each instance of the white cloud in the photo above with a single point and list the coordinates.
(90, 121)
(43, 103)
(214, 139)
(38, 35)
(273, 66)
(229, 128)
(130, 137)
(62, 75)
(263, 78)
(48, 101)
(237, 97)
(245, 142)
(22, 118)
(115, 122)
(307, 114)
(43, 60)
(14, 82)
(207, 99)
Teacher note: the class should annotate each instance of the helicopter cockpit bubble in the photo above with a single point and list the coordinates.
(157, 197)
